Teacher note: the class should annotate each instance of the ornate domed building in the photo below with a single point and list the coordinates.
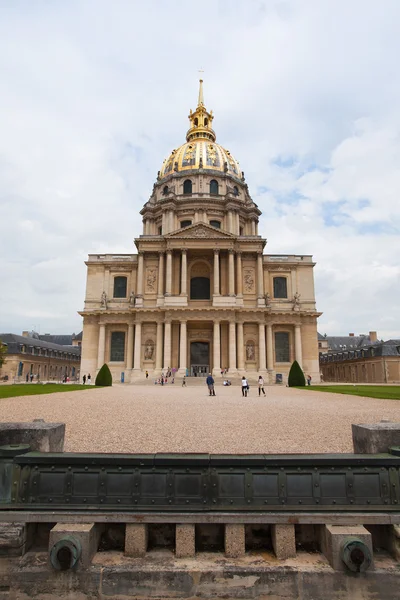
(200, 295)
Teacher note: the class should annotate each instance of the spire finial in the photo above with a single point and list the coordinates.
(201, 97)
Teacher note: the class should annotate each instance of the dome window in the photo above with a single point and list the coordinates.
(216, 224)
(206, 121)
(235, 190)
(187, 186)
(196, 122)
(213, 186)
(165, 190)
(185, 224)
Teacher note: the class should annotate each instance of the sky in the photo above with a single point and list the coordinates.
(95, 94)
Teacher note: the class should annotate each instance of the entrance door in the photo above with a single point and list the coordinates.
(199, 359)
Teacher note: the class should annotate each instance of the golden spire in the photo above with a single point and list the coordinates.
(200, 120)
(201, 97)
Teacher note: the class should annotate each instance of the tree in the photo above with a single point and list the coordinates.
(3, 352)
(104, 376)
(296, 376)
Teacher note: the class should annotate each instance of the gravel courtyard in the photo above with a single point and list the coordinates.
(146, 419)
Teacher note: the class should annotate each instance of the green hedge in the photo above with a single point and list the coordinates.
(104, 376)
(296, 376)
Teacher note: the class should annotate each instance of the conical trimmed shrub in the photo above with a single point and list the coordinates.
(296, 376)
(104, 376)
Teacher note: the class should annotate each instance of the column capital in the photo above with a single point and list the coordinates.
(161, 252)
(239, 252)
(231, 251)
(259, 252)
(184, 250)
(169, 250)
(216, 250)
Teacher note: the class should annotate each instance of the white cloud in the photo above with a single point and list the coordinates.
(94, 95)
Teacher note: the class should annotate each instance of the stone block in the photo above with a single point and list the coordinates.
(234, 540)
(283, 541)
(41, 436)
(15, 538)
(185, 541)
(375, 438)
(88, 535)
(136, 539)
(334, 536)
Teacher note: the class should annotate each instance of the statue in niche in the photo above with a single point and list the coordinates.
(296, 301)
(132, 299)
(267, 300)
(103, 301)
(151, 280)
(250, 354)
(249, 280)
(149, 350)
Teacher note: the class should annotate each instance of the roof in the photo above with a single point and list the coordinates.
(366, 350)
(62, 340)
(14, 343)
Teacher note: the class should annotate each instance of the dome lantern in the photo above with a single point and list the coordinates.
(200, 121)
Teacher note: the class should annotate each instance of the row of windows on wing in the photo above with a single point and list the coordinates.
(200, 288)
(214, 188)
(49, 353)
(282, 347)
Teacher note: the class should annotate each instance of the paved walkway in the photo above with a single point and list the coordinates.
(174, 419)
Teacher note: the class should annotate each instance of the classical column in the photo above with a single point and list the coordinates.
(138, 346)
(160, 290)
(260, 275)
(216, 272)
(216, 348)
(183, 348)
(159, 346)
(129, 351)
(261, 346)
(230, 221)
(196, 216)
(139, 280)
(232, 346)
(102, 346)
(240, 346)
(184, 274)
(253, 228)
(239, 282)
(297, 345)
(171, 220)
(231, 273)
(167, 345)
(168, 282)
(163, 228)
(270, 355)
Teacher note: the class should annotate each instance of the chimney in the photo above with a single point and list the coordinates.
(25, 333)
(351, 334)
(373, 336)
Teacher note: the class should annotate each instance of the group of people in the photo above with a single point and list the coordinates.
(163, 380)
(245, 385)
(87, 379)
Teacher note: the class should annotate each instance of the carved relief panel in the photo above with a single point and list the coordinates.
(151, 280)
(249, 280)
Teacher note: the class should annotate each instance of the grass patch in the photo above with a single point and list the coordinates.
(32, 389)
(388, 392)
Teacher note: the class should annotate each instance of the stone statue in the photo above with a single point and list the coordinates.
(296, 301)
(149, 350)
(103, 301)
(250, 352)
(132, 299)
(267, 300)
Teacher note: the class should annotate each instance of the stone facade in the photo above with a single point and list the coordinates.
(200, 295)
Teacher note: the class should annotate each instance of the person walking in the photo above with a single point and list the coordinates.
(84, 379)
(184, 381)
(261, 386)
(147, 374)
(244, 386)
(210, 384)
(89, 379)
(308, 379)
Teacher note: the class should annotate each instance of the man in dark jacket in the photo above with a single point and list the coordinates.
(210, 384)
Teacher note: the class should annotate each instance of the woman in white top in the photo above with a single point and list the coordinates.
(261, 386)
(244, 386)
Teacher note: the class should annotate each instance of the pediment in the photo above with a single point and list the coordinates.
(200, 230)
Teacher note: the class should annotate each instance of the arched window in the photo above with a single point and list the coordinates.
(187, 186)
(200, 288)
(213, 186)
(185, 223)
(282, 353)
(119, 287)
(165, 190)
(160, 230)
(280, 287)
(216, 224)
(117, 351)
(206, 121)
(235, 190)
(196, 122)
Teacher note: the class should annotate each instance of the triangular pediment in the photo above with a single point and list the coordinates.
(200, 230)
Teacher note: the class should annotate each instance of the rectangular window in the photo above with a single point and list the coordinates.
(282, 351)
(280, 287)
(117, 353)
(120, 287)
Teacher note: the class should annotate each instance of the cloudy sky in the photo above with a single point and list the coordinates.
(95, 93)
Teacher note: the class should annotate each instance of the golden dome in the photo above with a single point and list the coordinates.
(200, 150)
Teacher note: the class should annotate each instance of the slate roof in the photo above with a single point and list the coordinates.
(366, 350)
(14, 343)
